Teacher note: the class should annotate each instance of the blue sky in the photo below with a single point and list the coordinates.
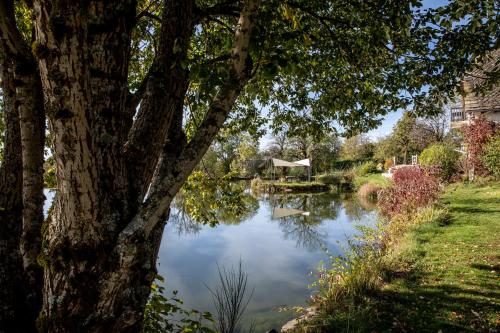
(386, 127)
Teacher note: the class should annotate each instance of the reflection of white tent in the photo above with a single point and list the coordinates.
(284, 212)
(302, 163)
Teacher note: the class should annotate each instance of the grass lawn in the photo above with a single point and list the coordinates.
(376, 178)
(454, 285)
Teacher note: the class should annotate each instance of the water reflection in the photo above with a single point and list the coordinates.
(278, 254)
(299, 216)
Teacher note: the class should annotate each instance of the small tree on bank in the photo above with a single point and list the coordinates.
(476, 135)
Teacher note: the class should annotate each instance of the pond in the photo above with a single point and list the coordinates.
(278, 251)
(280, 241)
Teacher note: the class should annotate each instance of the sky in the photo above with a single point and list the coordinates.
(386, 127)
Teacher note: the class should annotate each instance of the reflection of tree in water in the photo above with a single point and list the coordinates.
(211, 202)
(306, 235)
(356, 208)
(306, 229)
(183, 224)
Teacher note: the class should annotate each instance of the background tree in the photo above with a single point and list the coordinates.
(247, 158)
(430, 130)
(301, 146)
(402, 136)
(385, 148)
(325, 152)
(278, 145)
(358, 147)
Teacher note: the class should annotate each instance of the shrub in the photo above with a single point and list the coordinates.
(369, 191)
(412, 187)
(491, 156)
(443, 157)
(348, 278)
(476, 135)
(330, 178)
(366, 168)
(388, 163)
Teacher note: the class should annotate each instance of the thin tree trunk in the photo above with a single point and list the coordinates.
(14, 314)
(32, 121)
(25, 124)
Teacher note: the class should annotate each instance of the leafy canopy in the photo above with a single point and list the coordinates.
(319, 64)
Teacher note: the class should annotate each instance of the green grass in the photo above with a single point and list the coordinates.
(375, 178)
(453, 285)
(441, 273)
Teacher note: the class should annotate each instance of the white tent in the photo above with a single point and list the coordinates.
(282, 163)
(302, 163)
(306, 162)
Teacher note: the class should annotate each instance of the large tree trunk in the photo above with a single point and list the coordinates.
(116, 175)
(83, 59)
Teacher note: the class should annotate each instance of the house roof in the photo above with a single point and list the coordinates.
(490, 101)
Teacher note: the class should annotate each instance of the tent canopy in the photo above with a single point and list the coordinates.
(282, 163)
(306, 162)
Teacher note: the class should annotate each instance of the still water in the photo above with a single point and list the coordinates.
(278, 252)
(280, 241)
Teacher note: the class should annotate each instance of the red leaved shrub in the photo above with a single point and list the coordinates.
(476, 135)
(413, 187)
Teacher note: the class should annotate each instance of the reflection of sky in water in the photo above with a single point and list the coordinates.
(276, 254)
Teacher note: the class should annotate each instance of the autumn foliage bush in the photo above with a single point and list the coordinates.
(412, 187)
(476, 136)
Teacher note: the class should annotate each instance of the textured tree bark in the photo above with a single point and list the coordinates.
(102, 239)
(32, 123)
(12, 292)
(166, 87)
(24, 117)
(83, 51)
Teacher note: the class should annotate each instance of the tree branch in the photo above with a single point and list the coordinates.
(135, 98)
(143, 12)
(172, 171)
(160, 94)
(227, 8)
(150, 15)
